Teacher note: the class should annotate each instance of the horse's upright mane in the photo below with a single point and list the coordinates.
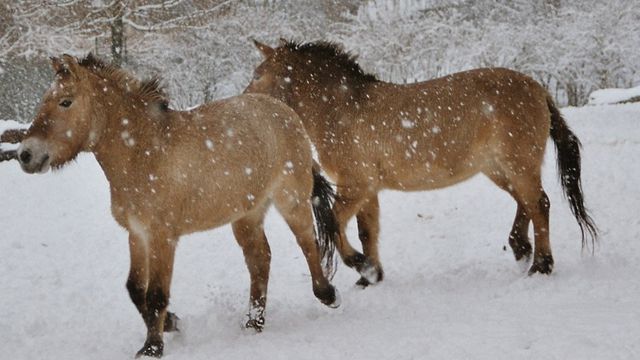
(326, 50)
(150, 91)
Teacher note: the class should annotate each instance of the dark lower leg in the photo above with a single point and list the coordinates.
(157, 296)
(368, 232)
(322, 288)
(345, 208)
(519, 237)
(257, 255)
(542, 258)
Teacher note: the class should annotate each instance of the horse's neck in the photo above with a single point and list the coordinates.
(125, 138)
(321, 109)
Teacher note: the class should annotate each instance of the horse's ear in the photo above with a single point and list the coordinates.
(265, 49)
(70, 63)
(57, 65)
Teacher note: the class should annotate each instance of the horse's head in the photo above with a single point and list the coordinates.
(294, 70)
(63, 124)
(274, 75)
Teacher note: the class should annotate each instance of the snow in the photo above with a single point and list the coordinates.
(450, 291)
(612, 96)
(10, 124)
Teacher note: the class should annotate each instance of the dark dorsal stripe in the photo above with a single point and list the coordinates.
(335, 54)
(149, 91)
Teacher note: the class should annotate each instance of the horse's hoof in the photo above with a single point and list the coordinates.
(151, 349)
(256, 324)
(370, 273)
(542, 264)
(328, 296)
(522, 251)
(373, 273)
(255, 316)
(337, 299)
(171, 322)
(362, 282)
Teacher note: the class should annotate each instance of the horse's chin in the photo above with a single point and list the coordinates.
(46, 166)
(40, 168)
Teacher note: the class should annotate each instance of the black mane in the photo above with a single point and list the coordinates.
(150, 90)
(335, 54)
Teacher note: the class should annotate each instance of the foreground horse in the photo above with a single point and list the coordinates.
(373, 135)
(173, 173)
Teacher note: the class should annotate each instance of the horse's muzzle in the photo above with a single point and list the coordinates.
(33, 157)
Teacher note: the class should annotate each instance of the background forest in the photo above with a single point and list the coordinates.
(203, 49)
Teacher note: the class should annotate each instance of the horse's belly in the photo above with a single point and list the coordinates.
(427, 176)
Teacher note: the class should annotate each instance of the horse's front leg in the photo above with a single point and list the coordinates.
(249, 233)
(138, 272)
(160, 257)
(139, 278)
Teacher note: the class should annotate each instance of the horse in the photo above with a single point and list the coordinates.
(372, 135)
(172, 173)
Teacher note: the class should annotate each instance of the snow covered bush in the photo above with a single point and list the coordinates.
(203, 48)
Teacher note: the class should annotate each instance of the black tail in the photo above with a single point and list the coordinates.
(322, 201)
(568, 151)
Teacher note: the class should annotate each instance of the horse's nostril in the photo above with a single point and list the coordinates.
(25, 156)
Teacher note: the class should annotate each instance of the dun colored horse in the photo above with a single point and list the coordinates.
(173, 173)
(373, 135)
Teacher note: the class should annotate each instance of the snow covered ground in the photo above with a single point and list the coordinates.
(451, 291)
(613, 96)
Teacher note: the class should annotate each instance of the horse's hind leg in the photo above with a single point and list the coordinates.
(295, 208)
(538, 206)
(368, 230)
(349, 202)
(526, 186)
(519, 236)
(249, 233)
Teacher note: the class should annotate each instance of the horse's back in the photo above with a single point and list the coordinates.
(439, 132)
(232, 153)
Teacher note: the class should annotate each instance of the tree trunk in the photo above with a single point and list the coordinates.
(572, 94)
(117, 34)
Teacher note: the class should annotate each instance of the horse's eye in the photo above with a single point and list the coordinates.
(65, 103)
(256, 76)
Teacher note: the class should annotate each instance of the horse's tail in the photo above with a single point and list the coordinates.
(568, 151)
(322, 201)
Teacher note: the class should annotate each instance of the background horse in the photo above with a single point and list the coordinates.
(373, 135)
(173, 173)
